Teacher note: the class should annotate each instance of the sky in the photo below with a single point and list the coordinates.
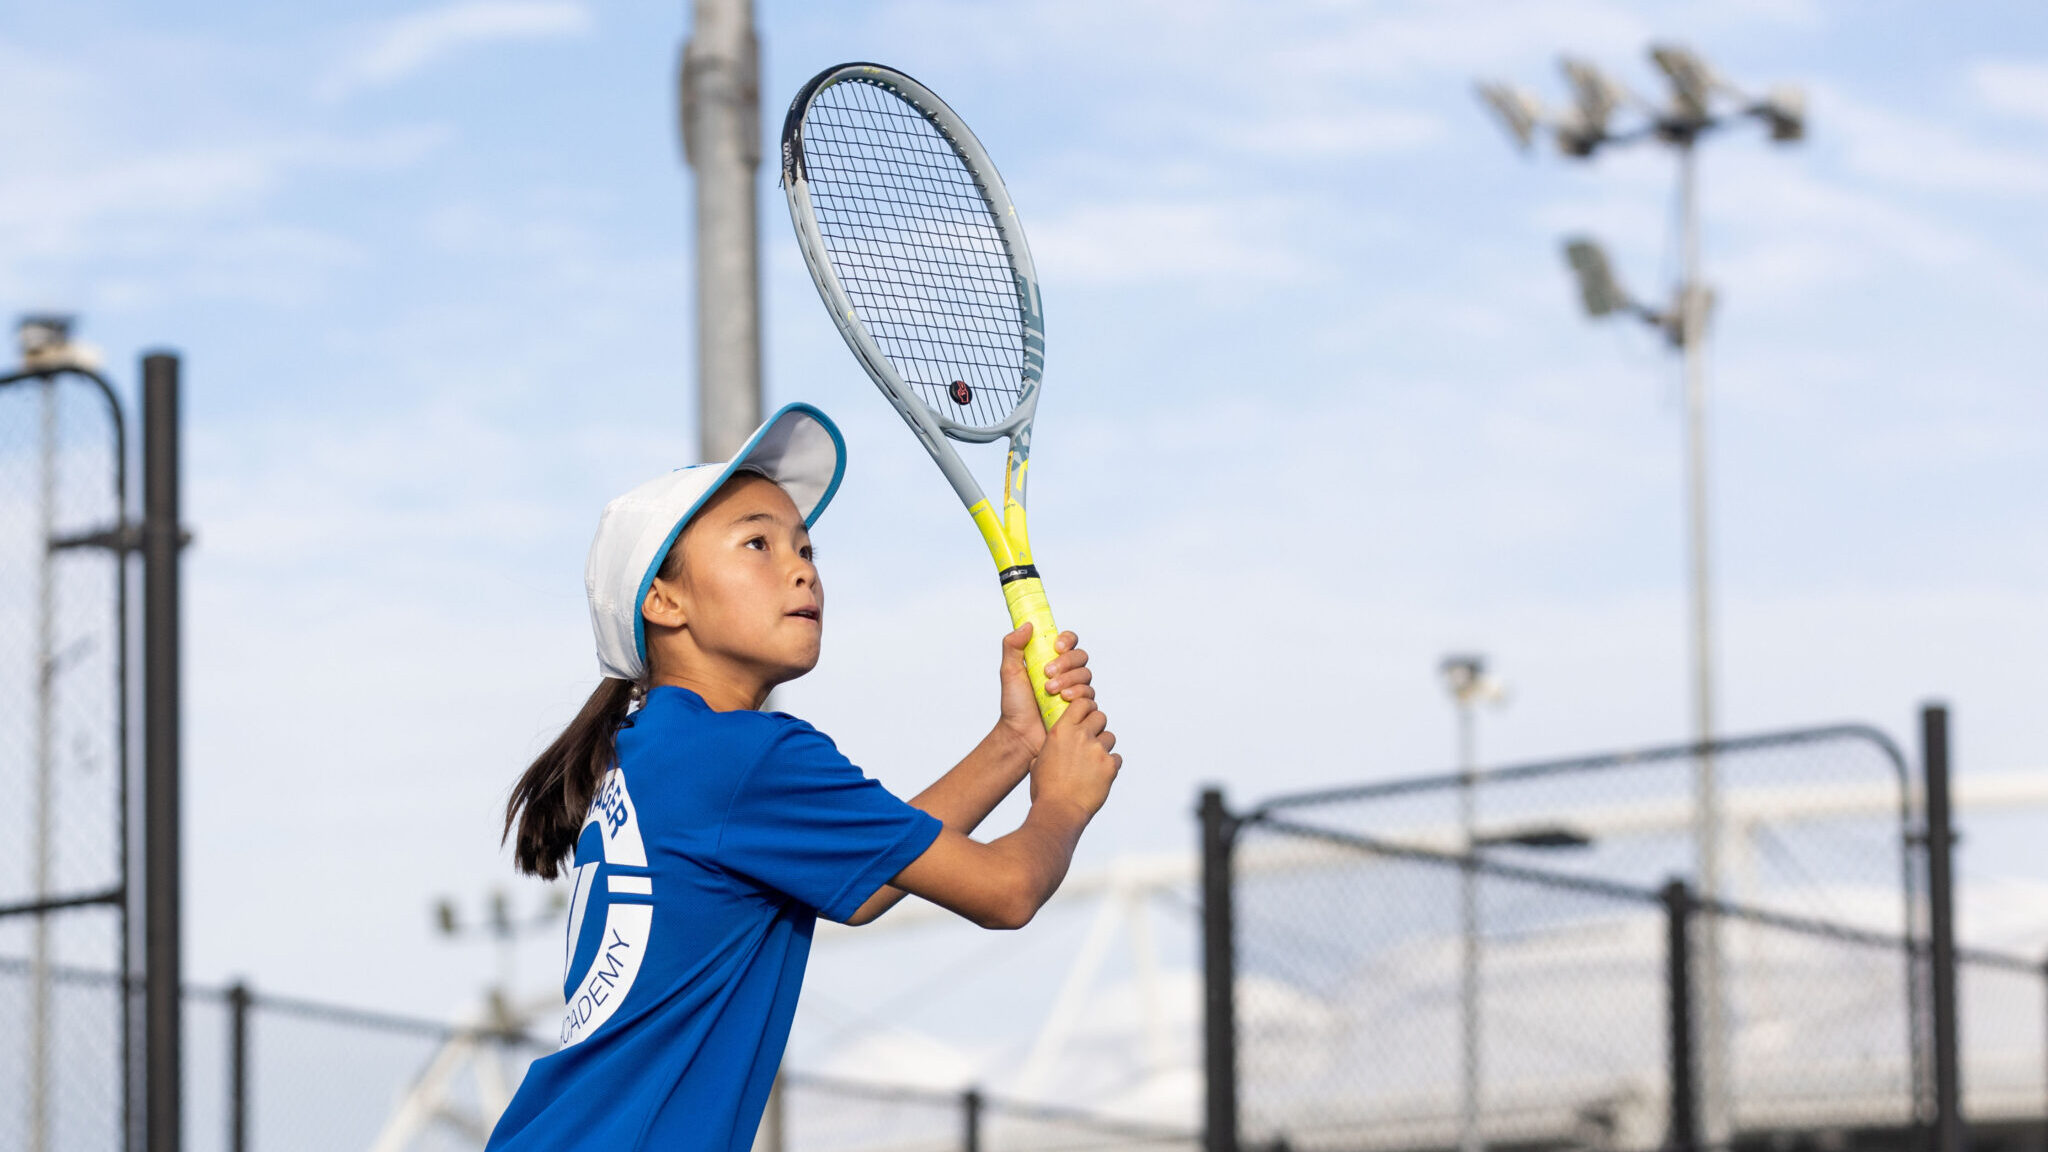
(1320, 406)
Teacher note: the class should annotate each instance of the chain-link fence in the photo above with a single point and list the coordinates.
(63, 1059)
(264, 1073)
(1404, 980)
(823, 1114)
(1813, 822)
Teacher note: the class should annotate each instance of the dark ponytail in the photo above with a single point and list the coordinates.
(553, 796)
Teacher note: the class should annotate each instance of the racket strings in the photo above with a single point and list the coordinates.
(916, 246)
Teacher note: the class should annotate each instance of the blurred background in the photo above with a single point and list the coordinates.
(1312, 339)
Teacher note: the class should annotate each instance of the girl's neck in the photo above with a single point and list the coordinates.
(719, 693)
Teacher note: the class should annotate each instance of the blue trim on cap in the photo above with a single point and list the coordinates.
(739, 458)
(839, 453)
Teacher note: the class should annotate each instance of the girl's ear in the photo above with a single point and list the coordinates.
(663, 606)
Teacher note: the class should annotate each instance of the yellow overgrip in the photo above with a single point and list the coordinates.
(1026, 598)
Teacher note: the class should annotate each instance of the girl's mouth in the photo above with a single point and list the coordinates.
(806, 613)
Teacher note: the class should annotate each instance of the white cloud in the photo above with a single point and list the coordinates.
(1137, 241)
(152, 223)
(2012, 88)
(408, 44)
(1354, 132)
(1913, 152)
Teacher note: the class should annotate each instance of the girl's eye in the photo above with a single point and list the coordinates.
(808, 553)
(758, 543)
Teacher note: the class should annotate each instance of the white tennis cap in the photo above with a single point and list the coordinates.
(797, 448)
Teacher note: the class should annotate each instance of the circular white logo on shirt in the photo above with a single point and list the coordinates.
(605, 951)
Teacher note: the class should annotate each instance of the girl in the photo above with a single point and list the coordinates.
(707, 836)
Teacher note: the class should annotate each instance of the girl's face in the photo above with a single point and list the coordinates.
(745, 609)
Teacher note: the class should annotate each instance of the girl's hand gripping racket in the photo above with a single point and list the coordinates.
(916, 249)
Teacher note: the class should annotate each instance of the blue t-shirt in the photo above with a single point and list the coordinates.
(708, 855)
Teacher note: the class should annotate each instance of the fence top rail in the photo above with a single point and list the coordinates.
(1441, 781)
(1485, 865)
(368, 1018)
(106, 390)
(939, 1097)
(1478, 862)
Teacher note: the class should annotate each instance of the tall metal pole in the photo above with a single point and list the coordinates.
(1219, 977)
(162, 1020)
(1469, 1139)
(721, 119)
(45, 748)
(1949, 1134)
(1692, 302)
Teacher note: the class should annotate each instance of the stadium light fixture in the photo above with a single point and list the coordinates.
(1594, 100)
(1595, 96)
(46, 344)
(1599, 291)
(1783, 110)
(1469, 682)
(1518, 109)
(1692, 83)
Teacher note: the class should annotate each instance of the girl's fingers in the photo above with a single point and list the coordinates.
(1076, 713)
(1069, 678)
(1066, 662)
(1065, 641)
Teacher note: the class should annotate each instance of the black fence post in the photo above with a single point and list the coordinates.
(1948, 1090)
(1219, 976)
(970, 1115)
(1684, 1135)
(162, 1020)
(238, 1067)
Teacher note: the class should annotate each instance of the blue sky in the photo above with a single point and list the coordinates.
(1319, 403)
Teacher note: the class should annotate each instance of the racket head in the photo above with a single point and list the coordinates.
(914, 243)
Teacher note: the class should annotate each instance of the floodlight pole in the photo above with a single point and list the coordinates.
(721, 124)
(1581, 132)
(1692, 307)
(45, 762)
(1466, 678)
(1469, 1136)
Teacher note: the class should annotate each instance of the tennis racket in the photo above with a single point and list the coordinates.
(916, 249)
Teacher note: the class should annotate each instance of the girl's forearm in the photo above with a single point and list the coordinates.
(962, 799)
(1041, 850)
(964, 796)
(1000, 884)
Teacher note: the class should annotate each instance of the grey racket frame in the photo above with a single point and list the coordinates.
(932, 427)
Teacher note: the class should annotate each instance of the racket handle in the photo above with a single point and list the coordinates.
(1026, 596)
